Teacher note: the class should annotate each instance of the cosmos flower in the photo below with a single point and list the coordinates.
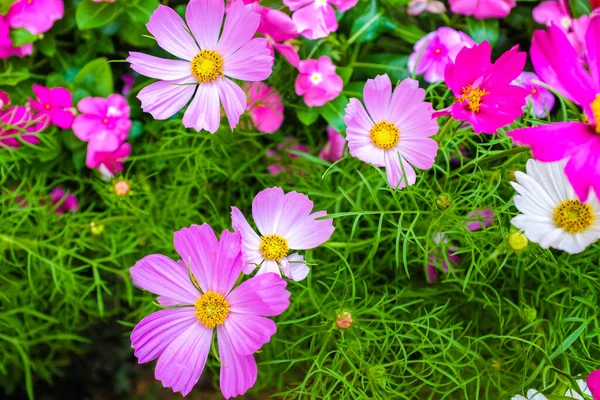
(55, 103)
(19, 122)
(480, 219)
(66, 201)
(280, 30)
(285, 223)
(203, 73)
(556, 12)
(436, 50)
(485, 96)
(36, 16)
(6, 47)
(318, 82)
(416, 7)
(395, 132)
(108, 162)
(551, 213)
(315, 19)
(483, 8)
(334, 149)
(281, 156)
(265, 107)
(532, 394)
(540, 99)
(201, 285)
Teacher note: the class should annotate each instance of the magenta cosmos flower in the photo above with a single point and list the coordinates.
(36, 16)
(593, 382)
(334, 149)
(395, 128)
(436, 50)
(66, 201)
(557, 63)
(557, 12)
(280, 30)
(4, 100)
(483, 8)
(55, 103)
(318, 82)
(484, 94)
(18, 124)
(285, 223)
(540, 99)
(181, 337)
(6, 47)
(204, 72)
(315, 19)
(265, 107)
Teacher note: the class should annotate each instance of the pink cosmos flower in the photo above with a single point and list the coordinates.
(557, 63)
(36, 16)
(557, 12)
(128, 81)
(6, 47)
(265, 107)
(181, 337)
(483, 8)
(281, 156)
(479, 219)
(540, 99)
(280, 30)
(4, 100)
(285, 223)
(395, 132)
(593, 382)
(315, 19)
(437, 261)
(66, 201)
(203, 70)
(103, 123)
(416, 7)
(54, 103)
(16, 123)
(485, 96)
(434, 51)
(318, 82)
(334, 149)
(108, 162)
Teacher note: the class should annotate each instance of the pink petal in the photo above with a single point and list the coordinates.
(248, 333)
(204, 18)
(153, 334)
(61, 97)
(171, 33)
(197, 246)
(419, 152)
(252, 62)
(250, 240)
(471, 63)
(227, 264)
(393, 170)
(162, 276)
(377, 97)
(294, 267)
(359, 125)
(592, 39)
(204, 111)
(344, 5)
(263, 295)
(233, 99)
(181, 364)
(163, 99)
(583, 169)
(93, 105)
(62, 118)
(294, 5)
(284, 210)
(315, 22)
(266, 209)
(84, 126)
(506, 69)
(309, 232)
(42, 93)
(159, 68)
(238, 373)
(241, 24)
(593, 382)
(289, 52)
(269, 267)
(406, 101)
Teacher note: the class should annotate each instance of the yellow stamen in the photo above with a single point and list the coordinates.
(273, 247)
(596, 111)
(472, 97)
(211, 309)
(385, 135)
(574, 216)
(207, 66)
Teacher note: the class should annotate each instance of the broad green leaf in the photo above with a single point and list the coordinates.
(92, 15)
(96, 78)
(408, 33)
(483, 29)
(140, 10)
(21, 37)
(47, 46)
(334, 112)
(345, 73)
(369, 25)
(307, 116)
(580, 7)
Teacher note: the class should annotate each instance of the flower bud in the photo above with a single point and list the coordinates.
(344, 320)
(96, 229)
(443, 201)
(517, 241)
(121, 188)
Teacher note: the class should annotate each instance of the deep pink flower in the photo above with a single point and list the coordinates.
(436, 50)
(54, 103)
(68, 202)
(36, 16)
(315, 19)
(19, 122)
(593, 382)
(108, 162)
(181, 337)
(557, 63)
(318, 82)
(285, 223)
(103, 123)
(395, 132)
(265, 107)
(4, 100)
(484, 94)
(479, 219)
(416, 7)
(280, 30)
(203, 70)
(280, 157)
(557, 12)
(6, 47)
(128, 81)
(540, 99)
(483, 8)
(334, 149)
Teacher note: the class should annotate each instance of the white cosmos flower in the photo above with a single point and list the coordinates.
(531, 394)
(584, 389)
(551, 213)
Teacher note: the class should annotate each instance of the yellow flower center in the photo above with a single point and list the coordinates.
(211, 309)
(472, 97)
(273, 247)
(596, 111)
(574, 216)
(385, 135)
(207, 66)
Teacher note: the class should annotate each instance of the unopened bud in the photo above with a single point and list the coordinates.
(443, 201)
(517, 241)
(121, 188)
(344, 320)
(96, 229)
(529, 314)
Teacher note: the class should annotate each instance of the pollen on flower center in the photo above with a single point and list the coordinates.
(574, 216)
(316, 78)
(385, 135)
(472, 96)
(211, 309)
(320, 3)
(207, 66)
(273, 247)
(596, 111)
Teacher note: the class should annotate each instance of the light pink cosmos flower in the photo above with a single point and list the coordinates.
(180, 337)
(540, 99)
(280, 30)
(36, 16)
(556, 62)
(265, 107)
(108, 162)
(484, 94)
(6, 47)
(396, 131)
(483, 8)
(285, 223)
(318, 82)
(280, 157)
(416, 7)
(334, 149)
(66, 201)
(434, 51)
(315, 19)
(18, 122)
(103, 123)
(203, 73)
(55, 103)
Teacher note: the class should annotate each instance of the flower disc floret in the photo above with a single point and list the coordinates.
(385, 135)
(273, 247)
(207, 66)
(211, 309)
(574, 216)
(472, 96)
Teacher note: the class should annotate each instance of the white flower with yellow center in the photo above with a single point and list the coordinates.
(551, 213)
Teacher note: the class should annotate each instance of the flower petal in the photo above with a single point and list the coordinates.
(159, 68)
(204, 111)
(250, 240)
(238, 373)
(204, 17)
(227, 264)
(163, 99)
(171, 33)
(233, 99)
(241, 24)
(197, 246)
(252, 62)
(248, 333)
(377, 97)
(394, 172)
(263, 295)
(294, 267)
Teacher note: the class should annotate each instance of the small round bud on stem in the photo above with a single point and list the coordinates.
(344, 320)
(517, 241)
